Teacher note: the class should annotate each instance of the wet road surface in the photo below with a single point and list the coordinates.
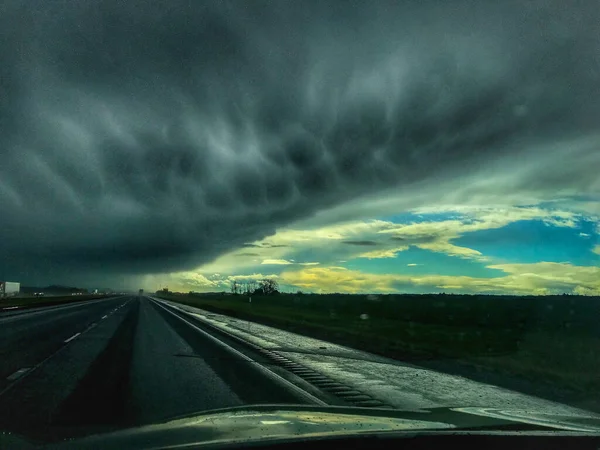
(118, 363)
(130, 361)
(28, 338)
(168, 377)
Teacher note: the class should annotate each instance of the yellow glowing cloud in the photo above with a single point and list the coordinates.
(336, 279)
(326, 244)
(538, 278)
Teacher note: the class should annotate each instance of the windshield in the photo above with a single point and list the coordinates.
(389, 205)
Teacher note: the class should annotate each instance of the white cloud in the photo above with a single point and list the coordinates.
(584, 235)
(336, 232)
(276, 262)
(388, 253)
(251, 277)
(413, 264)
(437, 235)
(442, 246)
(183, 281)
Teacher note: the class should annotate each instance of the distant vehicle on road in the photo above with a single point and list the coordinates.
(9, 288)
(38, 294)
(141, 292)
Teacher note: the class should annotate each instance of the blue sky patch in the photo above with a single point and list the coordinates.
(410, 217)
(533, 241)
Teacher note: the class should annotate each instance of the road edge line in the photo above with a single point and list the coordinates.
(266, 371)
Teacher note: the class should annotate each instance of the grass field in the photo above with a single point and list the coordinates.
(33, 302)
(550, 340)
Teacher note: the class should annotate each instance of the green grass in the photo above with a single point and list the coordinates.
(572, 362)
(381, 334)
(33, 302)
(549, 339)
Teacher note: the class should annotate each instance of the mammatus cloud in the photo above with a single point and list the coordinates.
(156, 137)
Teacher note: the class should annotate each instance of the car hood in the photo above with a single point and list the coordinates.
(268, 423)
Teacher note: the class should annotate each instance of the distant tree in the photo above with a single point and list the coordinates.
(269, 286)
(235, 287)
(249, 288)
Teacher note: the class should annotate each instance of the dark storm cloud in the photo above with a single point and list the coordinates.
(153, 136)
(360, 243)
(412, 240)
(263, 245)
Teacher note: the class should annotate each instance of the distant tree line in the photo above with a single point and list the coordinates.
(267, 286)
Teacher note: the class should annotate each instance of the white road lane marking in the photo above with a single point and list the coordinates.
(104, 317)
(72, 337)
(18, 374)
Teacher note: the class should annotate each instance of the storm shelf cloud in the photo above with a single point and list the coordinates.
(141, 138)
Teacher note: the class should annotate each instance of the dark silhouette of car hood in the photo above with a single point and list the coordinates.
(272, 423)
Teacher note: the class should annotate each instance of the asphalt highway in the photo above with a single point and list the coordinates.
(28, 338)
(120, 362)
